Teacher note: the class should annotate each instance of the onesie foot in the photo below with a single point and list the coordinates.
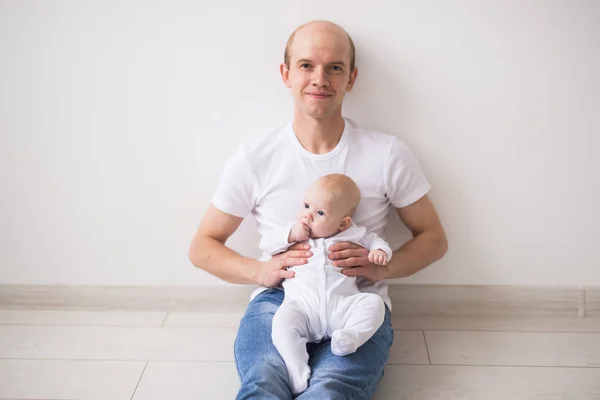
(300, 383)
(343, 343)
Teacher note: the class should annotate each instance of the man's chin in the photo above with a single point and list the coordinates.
(318, 113)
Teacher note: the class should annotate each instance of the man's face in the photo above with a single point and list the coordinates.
(319, 72)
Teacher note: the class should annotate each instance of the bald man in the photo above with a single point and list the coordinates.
(267, 178)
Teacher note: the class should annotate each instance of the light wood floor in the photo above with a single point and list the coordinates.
(146, 355)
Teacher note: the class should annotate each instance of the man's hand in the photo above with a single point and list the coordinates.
(355, 258)
(274, 270)
(299, 232)
(378, 257)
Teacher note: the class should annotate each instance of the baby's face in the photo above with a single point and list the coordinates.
(321, 214)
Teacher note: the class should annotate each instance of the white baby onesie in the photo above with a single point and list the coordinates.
(321, 302)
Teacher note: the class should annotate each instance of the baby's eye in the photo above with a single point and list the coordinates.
(305, 205)
(320, 213)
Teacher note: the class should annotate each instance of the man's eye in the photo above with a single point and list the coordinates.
(320, 213)
(336, 68)
(305, 65)
(305, 205)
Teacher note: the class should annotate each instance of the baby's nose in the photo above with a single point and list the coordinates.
(308, 217)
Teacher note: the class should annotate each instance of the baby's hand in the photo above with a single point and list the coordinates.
(299, 233)
(378, 257)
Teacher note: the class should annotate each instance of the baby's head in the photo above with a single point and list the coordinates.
(329, 204)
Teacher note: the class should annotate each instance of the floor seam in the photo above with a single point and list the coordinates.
(426, 347)
(139, 380)
(165, 320)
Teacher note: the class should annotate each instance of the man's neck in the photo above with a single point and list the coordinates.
(318, 136)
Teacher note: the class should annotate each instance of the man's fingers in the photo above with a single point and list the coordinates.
(292, 262)
(343, 246)
(350, 262)
(340, 255)
(299, 254)
(353, 271)
(286, 274)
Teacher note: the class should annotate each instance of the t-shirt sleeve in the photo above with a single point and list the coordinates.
(405, 180)
(238, 187)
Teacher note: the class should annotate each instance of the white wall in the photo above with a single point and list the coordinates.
(117, 117)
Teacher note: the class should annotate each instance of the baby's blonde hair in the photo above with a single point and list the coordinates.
(342, 189)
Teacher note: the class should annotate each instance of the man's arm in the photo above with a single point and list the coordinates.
(208, 252)
(428, 244)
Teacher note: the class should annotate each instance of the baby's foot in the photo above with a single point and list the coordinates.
(300, 383)
(343, 342)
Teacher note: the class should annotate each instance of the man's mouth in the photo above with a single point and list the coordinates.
(319, 96)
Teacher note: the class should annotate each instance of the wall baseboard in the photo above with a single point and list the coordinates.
(407, 299)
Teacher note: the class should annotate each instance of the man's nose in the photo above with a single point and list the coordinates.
(319, 77)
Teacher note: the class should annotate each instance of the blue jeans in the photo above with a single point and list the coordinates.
(263, 374)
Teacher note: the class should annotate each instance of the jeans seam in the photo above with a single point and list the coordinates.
(237, 369)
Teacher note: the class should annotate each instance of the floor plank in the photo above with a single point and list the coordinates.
(109, 343)
(434, 382)
(408, 348)
(177, 319)
(81, 318)
(193, 380)
(157, 344)
(51, 379)
(532, 323)
(514, 348)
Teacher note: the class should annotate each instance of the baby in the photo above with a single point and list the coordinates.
(320, 301)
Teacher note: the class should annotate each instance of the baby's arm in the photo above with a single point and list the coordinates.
(276, 241)
(380, 252)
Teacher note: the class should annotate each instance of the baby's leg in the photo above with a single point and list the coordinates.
(290, 334)
(364, 314)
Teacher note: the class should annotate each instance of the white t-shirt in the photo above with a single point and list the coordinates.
(269, 179)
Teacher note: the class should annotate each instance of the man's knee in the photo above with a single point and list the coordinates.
(268, 370)
(267, 378)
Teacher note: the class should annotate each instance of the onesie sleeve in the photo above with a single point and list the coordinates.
(405, 180)
(373, 242)
(276, 240)
(238, 188)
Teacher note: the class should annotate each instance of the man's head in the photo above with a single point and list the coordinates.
(329, 204)
(319, 67)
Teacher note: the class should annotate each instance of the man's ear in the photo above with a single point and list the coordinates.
(352, 79)
(345, 224)
(285, 75)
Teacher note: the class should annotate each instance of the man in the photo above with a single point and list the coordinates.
(268, 179)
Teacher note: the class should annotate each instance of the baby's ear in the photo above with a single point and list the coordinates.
(345, 224)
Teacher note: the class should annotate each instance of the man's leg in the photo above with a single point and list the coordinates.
(261, 369)
(351, 377)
